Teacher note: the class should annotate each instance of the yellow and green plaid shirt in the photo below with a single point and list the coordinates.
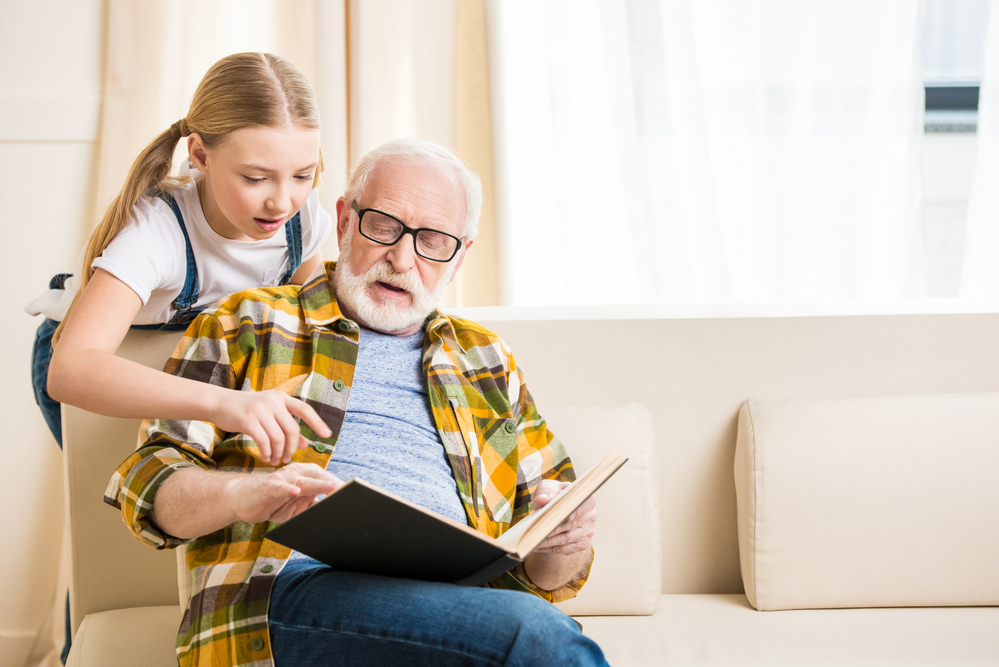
(297, 340)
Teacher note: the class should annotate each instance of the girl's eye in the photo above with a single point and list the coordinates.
(253, 180)
(304, 177)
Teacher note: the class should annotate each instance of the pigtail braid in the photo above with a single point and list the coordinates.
(149, 171)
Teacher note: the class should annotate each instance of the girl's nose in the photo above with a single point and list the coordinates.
(278, 201)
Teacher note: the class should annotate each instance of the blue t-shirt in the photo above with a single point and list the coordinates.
(388, 437)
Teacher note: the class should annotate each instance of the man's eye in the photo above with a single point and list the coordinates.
(384, 229)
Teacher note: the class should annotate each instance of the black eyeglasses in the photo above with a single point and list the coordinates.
(384, 229)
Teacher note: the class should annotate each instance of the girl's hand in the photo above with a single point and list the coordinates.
(268, 418)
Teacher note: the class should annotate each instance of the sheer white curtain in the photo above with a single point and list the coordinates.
(717, 150)
(980, 274)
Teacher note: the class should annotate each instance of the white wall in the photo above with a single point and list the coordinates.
(50, 86)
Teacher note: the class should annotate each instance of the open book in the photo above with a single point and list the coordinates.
(363, 529)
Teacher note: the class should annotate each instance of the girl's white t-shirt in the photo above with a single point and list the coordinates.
(149, 255)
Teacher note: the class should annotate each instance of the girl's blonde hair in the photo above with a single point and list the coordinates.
(241, 90)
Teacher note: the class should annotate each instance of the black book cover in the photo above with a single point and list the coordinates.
(360, 528)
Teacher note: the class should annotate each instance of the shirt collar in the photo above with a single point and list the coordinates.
(440, 326)
(319, 307)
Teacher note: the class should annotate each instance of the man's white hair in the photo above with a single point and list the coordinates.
(423, 153)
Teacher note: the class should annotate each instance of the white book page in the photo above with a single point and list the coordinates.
(510, 538)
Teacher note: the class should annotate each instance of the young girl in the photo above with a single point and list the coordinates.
(166, 248)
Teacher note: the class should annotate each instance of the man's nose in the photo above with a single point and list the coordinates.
(402, 255)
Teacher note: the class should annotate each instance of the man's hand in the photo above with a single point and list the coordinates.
(279, 495)
(268, 418)
(575, 533)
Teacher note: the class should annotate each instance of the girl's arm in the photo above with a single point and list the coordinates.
(86, 373)
(306, 268)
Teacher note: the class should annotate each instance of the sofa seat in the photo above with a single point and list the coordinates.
(726, 630)
(151, 633)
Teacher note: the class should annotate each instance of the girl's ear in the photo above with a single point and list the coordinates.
(197, 152)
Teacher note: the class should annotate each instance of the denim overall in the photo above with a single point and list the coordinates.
(41, 354)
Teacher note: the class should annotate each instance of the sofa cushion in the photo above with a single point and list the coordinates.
(626, 577)
(865, 502)
(724, 630)
(126, 638)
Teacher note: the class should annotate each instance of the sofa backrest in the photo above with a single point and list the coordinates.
(110, 569)
(694, 374)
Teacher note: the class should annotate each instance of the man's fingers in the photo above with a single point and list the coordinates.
(311, 478)
(291, 508)
(569, 541)
(313, 486)
(546, 492)
(304, 411)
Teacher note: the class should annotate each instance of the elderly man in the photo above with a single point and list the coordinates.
(429, 407)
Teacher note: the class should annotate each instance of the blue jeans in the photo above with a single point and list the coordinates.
(41, 356)
(319, 616)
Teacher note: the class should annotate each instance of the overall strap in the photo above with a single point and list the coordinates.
(188, 295)
(293, 232)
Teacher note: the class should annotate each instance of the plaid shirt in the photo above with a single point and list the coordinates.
(297, 340)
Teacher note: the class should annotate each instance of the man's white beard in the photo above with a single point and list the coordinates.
(353, 297)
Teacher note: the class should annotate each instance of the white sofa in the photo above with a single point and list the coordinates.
(794, 482)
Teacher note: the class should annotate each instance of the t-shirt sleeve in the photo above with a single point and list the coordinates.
(316, 225)
(149, 253)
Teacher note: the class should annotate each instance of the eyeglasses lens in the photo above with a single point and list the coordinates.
(429, 244)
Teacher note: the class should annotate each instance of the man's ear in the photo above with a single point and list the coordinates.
(461, 258)
(342, 218)
(197, 152)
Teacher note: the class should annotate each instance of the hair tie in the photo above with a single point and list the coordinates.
(180, 128)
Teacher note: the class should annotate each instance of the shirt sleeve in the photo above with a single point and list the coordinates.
(541, 456)
(316, 226)
(167, 446)
(149, 253)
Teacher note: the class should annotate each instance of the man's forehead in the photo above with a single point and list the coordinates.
(420, 195)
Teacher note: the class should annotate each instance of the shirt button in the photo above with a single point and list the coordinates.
(339, 385)
(267, 568)
(320, 447)
(510, 427)
(342, 325)
(257, 643)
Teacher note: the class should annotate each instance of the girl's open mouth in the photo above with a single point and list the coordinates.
(268, 225)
